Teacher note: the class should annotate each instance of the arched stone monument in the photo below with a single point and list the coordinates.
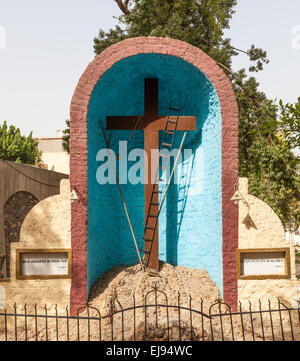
(198, 225)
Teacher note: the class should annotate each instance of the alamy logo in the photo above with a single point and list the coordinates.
(2, 37)
(111, 171)
(296, 37)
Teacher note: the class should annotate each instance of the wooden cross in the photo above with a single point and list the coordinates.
(151, 123)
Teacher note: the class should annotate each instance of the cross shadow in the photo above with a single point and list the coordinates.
(176, 203)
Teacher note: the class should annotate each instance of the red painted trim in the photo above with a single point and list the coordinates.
(78, 161)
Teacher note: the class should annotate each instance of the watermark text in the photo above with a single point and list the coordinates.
(133, 167)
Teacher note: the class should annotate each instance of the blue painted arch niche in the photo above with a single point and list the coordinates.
(190, 225)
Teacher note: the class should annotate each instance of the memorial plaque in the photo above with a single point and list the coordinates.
(263, 263)
(43, 264)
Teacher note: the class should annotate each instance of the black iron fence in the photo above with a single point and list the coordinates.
(154, 319)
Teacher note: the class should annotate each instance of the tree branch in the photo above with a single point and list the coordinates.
(239, 50)
(241, 87)
(123, 6)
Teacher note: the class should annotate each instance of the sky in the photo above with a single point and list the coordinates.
(45, 47)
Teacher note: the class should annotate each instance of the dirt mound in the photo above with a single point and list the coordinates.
(123, 287)
(121, 283)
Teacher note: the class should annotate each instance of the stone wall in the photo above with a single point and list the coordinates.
(266, 232)
(18, 183)
(46, 226)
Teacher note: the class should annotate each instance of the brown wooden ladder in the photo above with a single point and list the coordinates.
(154, 207)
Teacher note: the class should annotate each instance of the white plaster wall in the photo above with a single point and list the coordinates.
(54, 155)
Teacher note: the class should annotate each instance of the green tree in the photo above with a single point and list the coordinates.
(273, 177)
(18, 148)
(66, 137)
(200, 23)
(266, 131)
(289, 122)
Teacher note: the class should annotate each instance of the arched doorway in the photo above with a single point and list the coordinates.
(15, 211)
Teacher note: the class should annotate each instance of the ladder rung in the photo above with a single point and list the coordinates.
(150, 227)
(157, 192)
(148, 239)
(172, 121)
(167, 144)
(170, 131)
(159, 179)
(144, 251)
(152, 215)
(154, 203)
(176, 110)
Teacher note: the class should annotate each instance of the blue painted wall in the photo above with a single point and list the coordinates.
(190, 225)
